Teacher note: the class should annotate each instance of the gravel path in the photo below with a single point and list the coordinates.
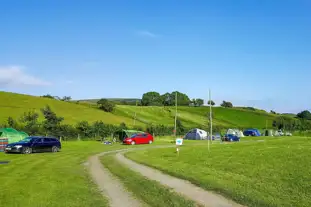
(118, 196)
(109, 185)
(183, 187)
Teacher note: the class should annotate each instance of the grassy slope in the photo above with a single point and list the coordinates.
(196, 116)
(52, 179)
(15, 104)
(150, 192)
(270, 173)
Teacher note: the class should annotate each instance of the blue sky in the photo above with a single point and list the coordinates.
(254, 53)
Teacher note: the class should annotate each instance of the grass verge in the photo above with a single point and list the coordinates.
(275, 172)
(53, 179)
(150, 192)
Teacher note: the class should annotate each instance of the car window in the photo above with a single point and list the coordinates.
(144, 135)
(38, 140)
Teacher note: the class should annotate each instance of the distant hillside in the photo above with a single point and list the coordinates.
(127, 100)
(15, 104)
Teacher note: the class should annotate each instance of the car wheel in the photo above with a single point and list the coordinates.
(27, 150)
(133, 143)
(150, 142)
(55, 149)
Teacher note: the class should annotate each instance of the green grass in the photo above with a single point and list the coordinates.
(16, 104)
(197, 116)
(52, 179)
(275, 172)
(150, 192)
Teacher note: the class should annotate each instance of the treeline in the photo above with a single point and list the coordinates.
(301, 122)
(53, 125)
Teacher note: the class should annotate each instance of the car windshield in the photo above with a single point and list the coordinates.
(27, 139)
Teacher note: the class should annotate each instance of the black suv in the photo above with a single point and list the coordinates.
(34, 144)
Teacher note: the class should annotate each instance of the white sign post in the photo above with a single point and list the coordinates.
(179, 142)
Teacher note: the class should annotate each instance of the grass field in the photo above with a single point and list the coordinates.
(16, 104)
(274, 172)
(150, 192)
(52, 179)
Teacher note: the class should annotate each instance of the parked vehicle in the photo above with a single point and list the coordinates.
(230, 138)
(141, 138)
(252, 132)
(34, 144)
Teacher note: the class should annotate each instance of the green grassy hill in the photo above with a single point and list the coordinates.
(15, 105)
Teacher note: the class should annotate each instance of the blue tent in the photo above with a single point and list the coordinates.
(252, 132)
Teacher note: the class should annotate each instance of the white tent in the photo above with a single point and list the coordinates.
(196, 134)
(235, 132)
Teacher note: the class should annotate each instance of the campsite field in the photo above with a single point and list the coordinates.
(273, 172)
(52, 179)
(16, 104)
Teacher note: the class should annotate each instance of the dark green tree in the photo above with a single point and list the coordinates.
(11, 122)
(166, 99)
(182, 99)
(151, 98)
(211, 102)
(66, 98)
(48, 96)
(199, 102)
(226, 104)
(30, 121)
(106, 105)
(304, 115)
(84, 128)
(51, 123)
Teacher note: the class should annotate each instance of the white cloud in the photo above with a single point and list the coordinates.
(147, 34)
(16, 76)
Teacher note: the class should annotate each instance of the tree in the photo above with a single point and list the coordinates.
(123, 126)
(166, 99)
(211, 102)
(226, 104)
(151, 99)
(66, 98)
(48, 96)
(98, 129)
(180, 129)
(199, 102)
(304, 115)
(84, 128)
(51, 123)
(272, 112)
(30, 121)
(182, 99)
(11, 122)
(106, 105)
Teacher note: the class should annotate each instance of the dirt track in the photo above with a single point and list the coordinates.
(109, 185)
(118, 196)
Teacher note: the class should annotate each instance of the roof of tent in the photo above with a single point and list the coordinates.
(12, 134)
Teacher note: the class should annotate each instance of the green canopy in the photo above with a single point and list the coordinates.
(12, 134)
(126, 133)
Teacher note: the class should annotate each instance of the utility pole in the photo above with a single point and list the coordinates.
(175, 114)
(210, 120)
(135, 114)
